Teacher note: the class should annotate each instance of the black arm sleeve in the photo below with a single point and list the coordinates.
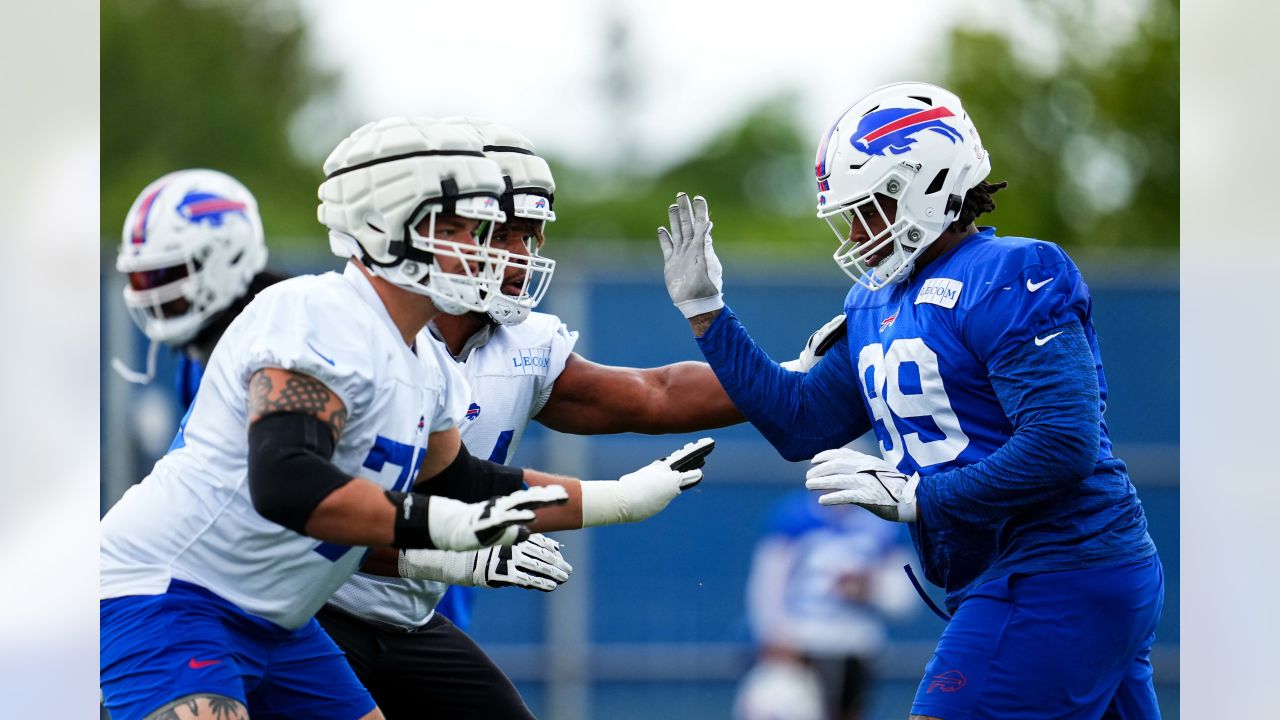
(289, 468)
(471, 479)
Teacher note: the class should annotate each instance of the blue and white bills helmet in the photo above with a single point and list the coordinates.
(912, 143)
(191, 244)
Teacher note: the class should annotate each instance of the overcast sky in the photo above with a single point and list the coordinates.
(542, 67)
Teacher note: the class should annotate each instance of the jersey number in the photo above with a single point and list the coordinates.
(886, 398)
(385, 450)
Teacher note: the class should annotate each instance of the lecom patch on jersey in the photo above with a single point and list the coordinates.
(531, 361)
(940, 291)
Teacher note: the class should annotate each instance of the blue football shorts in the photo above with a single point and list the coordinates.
(1070, 644)
(159, 648)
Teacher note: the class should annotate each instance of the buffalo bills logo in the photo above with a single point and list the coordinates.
(199, 207)
(892, 129)
(473, 412)
(947, 682)
(540, 203)
(888, 322)
(422, 422)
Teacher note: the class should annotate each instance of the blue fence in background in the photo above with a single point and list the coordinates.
(653, 623)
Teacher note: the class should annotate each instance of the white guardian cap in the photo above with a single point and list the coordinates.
(389, 176)
(910, 143)
(529, 194)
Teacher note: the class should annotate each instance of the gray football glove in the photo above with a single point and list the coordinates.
(689, 262)
(865, 480)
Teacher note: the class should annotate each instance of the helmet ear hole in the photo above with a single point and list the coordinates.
(938, 179)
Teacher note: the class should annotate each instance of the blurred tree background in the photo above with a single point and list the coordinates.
(1087, 139)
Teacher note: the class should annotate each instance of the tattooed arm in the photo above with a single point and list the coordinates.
(290, 477)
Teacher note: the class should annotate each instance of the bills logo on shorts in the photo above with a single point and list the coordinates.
(949, 681)
(473, 412)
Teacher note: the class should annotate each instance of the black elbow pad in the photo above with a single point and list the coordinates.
(289, 468)
(471, 479)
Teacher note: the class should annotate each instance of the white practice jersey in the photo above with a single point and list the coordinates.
(511, 375)
(192, 518)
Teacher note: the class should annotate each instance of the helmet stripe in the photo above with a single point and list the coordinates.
(214, 206)
(913, 119)
(140, 224)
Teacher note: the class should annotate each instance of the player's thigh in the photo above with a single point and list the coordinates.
(201, 707)
(441, 667)
(1052, 645)
(308, 677)
(1135, 698)
(156, 649)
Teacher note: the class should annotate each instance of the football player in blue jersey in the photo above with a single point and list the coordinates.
(973, 357)
(194, 256)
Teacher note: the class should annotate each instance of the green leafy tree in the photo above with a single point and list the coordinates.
(1089, 145)
(757, 175)
(187, 83)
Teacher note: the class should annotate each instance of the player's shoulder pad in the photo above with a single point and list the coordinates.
(317, 325)
(538, 330)
(860, 298)
(998, 265)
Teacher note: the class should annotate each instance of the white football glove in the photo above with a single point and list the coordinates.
(499, 520)
(819, 342)
(861, 479)
(645, 492)
(689, 262)
(535, 563)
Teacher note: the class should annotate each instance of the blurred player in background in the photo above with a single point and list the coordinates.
(520, 366)
(824, 582)
(974, 359)
(194, 256)
(321, 406)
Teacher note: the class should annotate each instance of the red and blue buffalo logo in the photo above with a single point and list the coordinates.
(473, 412)
(540, 203)
(198, 207)
(892, 129)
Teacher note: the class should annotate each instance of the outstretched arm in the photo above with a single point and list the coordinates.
(633, 497)
(801, 414)
(593, 399)
(295, 422)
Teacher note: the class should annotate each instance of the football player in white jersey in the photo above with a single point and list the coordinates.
(521, 366)
(321, 404)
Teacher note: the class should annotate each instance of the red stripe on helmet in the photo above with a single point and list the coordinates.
(140, 224)
(908, 121)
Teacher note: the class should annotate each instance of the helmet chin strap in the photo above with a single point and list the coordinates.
(133, 376)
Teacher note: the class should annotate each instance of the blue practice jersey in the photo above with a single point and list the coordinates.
(945, 367)
(923, 352)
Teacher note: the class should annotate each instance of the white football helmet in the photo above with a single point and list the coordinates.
(387, 177)
(192, 242)
(530, 193)
(911, 142)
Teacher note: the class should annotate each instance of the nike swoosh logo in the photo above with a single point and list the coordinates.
(1042, 340)
(322, 355)
(195, 664)
(1032, 287)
